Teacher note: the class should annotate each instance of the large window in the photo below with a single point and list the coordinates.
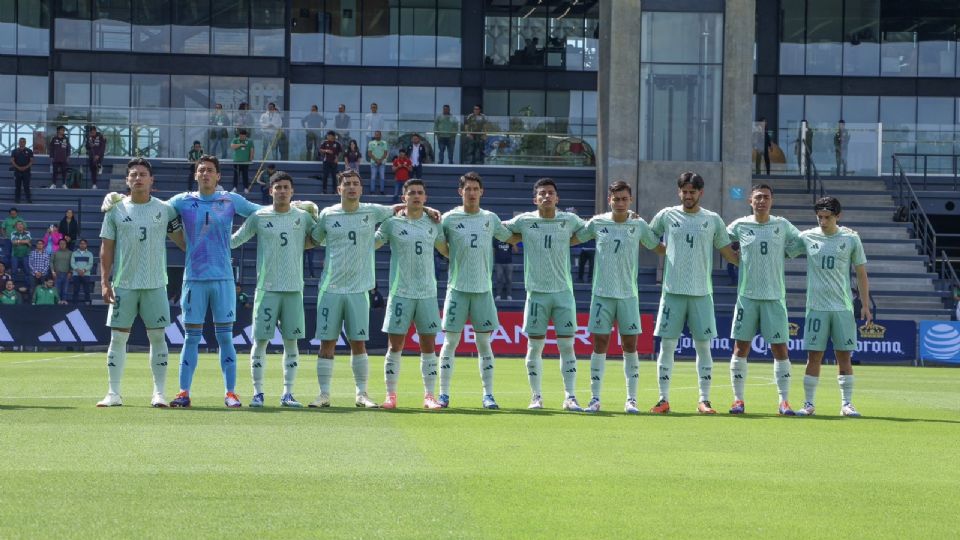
(556, 34)
(681, 86)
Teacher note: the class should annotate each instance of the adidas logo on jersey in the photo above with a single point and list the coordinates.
(162, 319)
(128, 219)
(432, 325)
(257, 365)
(776, 336)
(604, 230)
(362, 333)
(336, 224)
(675, 224)
(269, 225)
(534, 226)
(460, 226)
(633, 326)
(195, 205)
(568, 325)
(404, 232)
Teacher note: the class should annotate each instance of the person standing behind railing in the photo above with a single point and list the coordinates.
(474, 129)
(271, 124)
(60, 156)
(313, 123)
(22, 161)
(377, 151)
(445, 128)
(96, 146)
(841, 141)
(219, 137)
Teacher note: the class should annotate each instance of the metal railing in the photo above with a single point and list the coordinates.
(947, 272)
(952, 181)
(922, 227)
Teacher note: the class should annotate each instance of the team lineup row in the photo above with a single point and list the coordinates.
(133, 252)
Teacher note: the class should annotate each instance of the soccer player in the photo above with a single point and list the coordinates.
(413, 290)
(831, 250)
(469, 232)
(347, 229)
(134, 251)
(691, 233)
(282, 232)
(615, 296)
(761, 296)
(207, 216)
(547, 235)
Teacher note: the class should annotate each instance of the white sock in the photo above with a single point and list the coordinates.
(116, 359)
(781, 374)
(391, 370)
(324, 374)
(448, 355)
(665, 366)
(568, 365)
(258, 361)
(631, 371)
(738, 375)
(598, 364)
(704, 368)
(485, 362)
(291, 361)
(360, 364)
(428, 370)
(846, 388)
(810, 388)
(534, 363)
(158, 358)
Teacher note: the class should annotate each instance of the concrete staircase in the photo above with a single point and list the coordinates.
(901, 284)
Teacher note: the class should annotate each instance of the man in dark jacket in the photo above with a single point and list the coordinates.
(60, 155)
(96, 147)
(22, 160)
(417, 152)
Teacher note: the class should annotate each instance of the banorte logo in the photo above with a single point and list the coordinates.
(942, 341)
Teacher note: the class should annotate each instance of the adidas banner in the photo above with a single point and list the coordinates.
(886, 341)
(509, 339)
(69, 326)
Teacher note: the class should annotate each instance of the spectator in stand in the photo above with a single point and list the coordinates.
(417, 152)
(7, 227)
(22, 160)
(503, 269)
(70, 228)
(377, 151)
(341, 122)
(9, 294)
(219, 136)
(243, 301)
(46, 294)
(351, 157)
(313, 123)
(4, 276)
(81, 264)
(62, 273)
(21, 241)
(60, 150)
(445, 128)
(39, 262)
(474, 131)
(330, 151)
(401, 173)
(193, 156)
(51, 239)
(243, 120)
(242, 156)
(271, 128)
(96, 146)
(372, 123)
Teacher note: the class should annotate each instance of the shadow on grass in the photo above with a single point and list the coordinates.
(9, 407)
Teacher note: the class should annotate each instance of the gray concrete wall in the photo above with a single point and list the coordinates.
(739, 27)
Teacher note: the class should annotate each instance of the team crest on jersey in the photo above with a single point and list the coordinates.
(563, 224)
(366, 219)
(156, 218)
(632, 230)
(486, 225)
(842, 246)
(776, 231)
(704, 225)
(297, 222)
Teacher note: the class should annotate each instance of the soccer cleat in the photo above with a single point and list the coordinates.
(443, 400)
(231, 400)
(182, 401)
(257, 400)
(111, 400)
(364, 402)
(849, 410)
(430, 402)
(630, 407)
(323, 400)
(704, 407)
(287, 400)
(570, 404)
(785, 409)
(390, 402)
(737, 407)
(593, 406)
(536, 402)
(159, 401)
(489, 402)
(807, 410)
(662, 407)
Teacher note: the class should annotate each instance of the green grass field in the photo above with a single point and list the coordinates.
(72, 470)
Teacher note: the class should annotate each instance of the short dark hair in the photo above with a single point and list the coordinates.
(210, 159)
(544, 182)
(196, 143)
(470, 176)
(280, 176)
(758, 187)
(13, 209)
(691, 178)
(141, 162)
(346, 174)
(828, 203)
(61, 127)
(414, 182)
(619, 185)
(83, 240)
(241, 131)
(331, 132)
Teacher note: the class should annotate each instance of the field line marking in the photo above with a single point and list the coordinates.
(51, 358)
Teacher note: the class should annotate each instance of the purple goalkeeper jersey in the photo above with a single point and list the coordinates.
(207, 226)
